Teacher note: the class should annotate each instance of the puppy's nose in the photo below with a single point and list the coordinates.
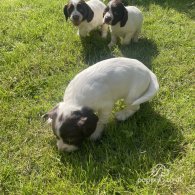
(75, 17)
(107, 19)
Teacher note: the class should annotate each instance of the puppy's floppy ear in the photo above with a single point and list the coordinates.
(105, 10)
(66, 12)
(125, 17)
(87, 122)
(89, 13)
(51, 114)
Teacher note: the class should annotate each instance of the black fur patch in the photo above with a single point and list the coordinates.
(106, 10)
(79, 125)
(61, 118)
(68, 10)
(119, 12)
(85, 10)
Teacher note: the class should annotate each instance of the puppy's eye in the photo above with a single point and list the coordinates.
(71, 6)
(79, 6)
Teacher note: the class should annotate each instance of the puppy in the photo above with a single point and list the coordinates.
(126, 22)
(90, 96)
(86, 15)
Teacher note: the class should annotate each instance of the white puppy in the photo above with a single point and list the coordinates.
(94, 91)
(86, 15)
(126, 22)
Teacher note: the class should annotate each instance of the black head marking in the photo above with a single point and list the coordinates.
(79, 125)
(119, 12)
(124, 19)
(105, 10)
(85, 10)
(88, 127)
(68, 10)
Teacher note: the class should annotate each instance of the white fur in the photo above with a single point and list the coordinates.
(85, 27)
(131, 30)
(49, 121)
(101, 85)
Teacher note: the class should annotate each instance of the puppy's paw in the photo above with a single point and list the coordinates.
(135, 39)
(110, 45)
(124, 42)
(104, 35)
(124, 114)
(95, 136)
(65, 147)
(82, 34)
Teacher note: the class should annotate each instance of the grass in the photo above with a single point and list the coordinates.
(151, 153)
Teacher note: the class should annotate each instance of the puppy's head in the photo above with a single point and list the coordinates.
(71, 125)
(78, 11)
(115, 12)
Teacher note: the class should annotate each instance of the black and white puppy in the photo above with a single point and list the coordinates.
(86, 15)
(90, 96)
(126, 22)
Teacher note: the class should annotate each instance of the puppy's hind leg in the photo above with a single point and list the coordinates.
(126, 40)
(127, 112)
(104, 30)
(135, 36)
(113, 41)
(103, 119)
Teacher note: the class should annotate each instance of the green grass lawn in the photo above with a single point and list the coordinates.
(151, 153)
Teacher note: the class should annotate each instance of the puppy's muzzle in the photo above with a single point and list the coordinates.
(76, 20)
(107, 19)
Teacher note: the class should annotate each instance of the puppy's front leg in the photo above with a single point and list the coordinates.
(82, 33)
(104, 30)
(103, 119)
(126, 40)
(113, 40)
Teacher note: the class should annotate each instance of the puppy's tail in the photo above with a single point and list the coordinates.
(151, 91)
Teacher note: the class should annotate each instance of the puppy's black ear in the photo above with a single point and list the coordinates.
(88, 121)
(125, 18)
(66, 12)
(90, 13)
(105, 10)
(51, 114)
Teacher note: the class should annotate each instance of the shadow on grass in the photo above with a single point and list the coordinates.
(129, 149)
(144, 50)
(185, 6)
(95, 49)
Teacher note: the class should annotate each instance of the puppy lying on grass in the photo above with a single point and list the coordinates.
(126, 22)
(90, 96)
